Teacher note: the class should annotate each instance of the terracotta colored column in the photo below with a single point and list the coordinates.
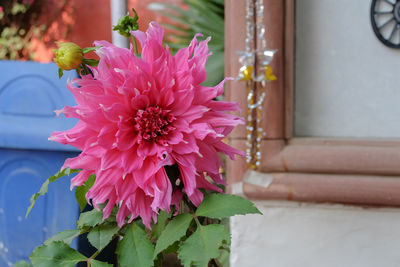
(273, 115)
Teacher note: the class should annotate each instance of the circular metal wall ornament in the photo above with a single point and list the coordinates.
(385, 20)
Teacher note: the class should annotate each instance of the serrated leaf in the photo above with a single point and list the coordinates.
(220, 206)
(171, 249)
(90, 49)
(66, 236)
(175, 229)
(55, 254)
(101, 235)
(95, 263)
(156, 229)
(135, 249)
(45, 186)
(90, 219)
(223, 258)
(81, 191)
(203, 245)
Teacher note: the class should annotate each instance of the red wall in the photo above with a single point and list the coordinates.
(84, 21)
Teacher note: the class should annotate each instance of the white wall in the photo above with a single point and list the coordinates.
(315, 235)
(347, 82)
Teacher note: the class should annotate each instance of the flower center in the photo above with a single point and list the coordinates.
(153, 123)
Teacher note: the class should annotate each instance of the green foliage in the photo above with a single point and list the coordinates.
(203, 245)
(126, 24)
(60, 73)
(201, 16)
(45, 186)
(90, 62)
(23, 264)
(56, 254)
(135, 249)
(66, 236)
(195, 243)
(101, 235)
(81, 191)
(220, 206)
(174, 231)
(160, 225)
(20, 22)
(90, 219)
(56, 250)
(95, 263)
(18, 8)
(90, 49)
(11, 41)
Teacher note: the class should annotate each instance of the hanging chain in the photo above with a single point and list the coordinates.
(255, 71)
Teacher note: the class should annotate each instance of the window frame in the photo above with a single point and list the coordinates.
(338, 170)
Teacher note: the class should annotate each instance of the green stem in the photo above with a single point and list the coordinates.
(98, 252)
(197, 220)
(95, 254)
(135, 49)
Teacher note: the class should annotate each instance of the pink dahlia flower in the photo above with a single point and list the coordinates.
(140, 118)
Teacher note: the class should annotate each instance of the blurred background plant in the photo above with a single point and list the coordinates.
(23, 20)
(197, 16)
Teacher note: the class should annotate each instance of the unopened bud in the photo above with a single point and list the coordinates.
(68, 56)
(127, 24)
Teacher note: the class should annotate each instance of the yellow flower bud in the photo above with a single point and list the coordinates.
(68, 56)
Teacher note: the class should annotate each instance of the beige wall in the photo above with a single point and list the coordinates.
(291, 234)
(347, 83)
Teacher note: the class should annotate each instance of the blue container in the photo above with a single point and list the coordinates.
(29, 94)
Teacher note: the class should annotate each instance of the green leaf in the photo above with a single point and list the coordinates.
(135, 249)
(56, 254)
(90, 219)
(22, 264)
(81, 191)
(66, 236)
(90, 62)
(171, 249)
(45, 186)
(158, 261)
(175, 229)
(223, 258)
(220, 206)
(95, 263)
(90, 49)
(203, 245)
(156, 229)
(60, 73)
(100, 236)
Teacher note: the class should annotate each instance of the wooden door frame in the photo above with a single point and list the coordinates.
(356, 171)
